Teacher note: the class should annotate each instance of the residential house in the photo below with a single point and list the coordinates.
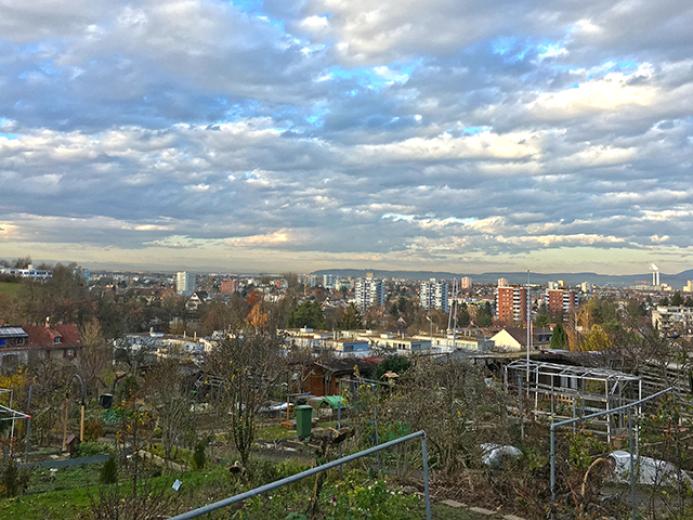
(515, 338)
(21, 344)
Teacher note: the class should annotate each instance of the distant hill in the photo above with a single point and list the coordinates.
(675, 280)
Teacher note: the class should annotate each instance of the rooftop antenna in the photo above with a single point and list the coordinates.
(529, 325)
(452, 313)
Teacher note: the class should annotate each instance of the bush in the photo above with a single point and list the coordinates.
(356, 498)
(14, 480)
(199, 457)
(93, 429)
(94, 448)
(264, 470)
(109, 471)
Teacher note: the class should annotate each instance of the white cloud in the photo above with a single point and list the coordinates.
(659, 239)
(483, 145)
(613, 92)
(331, 131)
(315, 23)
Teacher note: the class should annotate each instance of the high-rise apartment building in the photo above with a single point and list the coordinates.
(229, 286)
(466, 282)
(433, 294)
(328, 281)
(502, 282)
(560, 301)
(185, 283)
(511, 304)
(368, 292)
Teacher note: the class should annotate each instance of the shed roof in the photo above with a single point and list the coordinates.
(12, 331)
(571, 370)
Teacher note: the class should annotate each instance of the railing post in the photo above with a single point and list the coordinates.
(631, 449)
(632, 441)
(426, 476)
(552, 462)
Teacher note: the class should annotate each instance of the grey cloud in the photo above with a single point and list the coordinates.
(194, 124)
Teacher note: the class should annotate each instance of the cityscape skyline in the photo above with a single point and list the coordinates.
(465, 275)
(443, 245)
(274, 136)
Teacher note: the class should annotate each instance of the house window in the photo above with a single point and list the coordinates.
(57, 340)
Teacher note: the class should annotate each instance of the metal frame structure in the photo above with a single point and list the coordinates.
(633, 443)
(13, 415)
(566, 392)
(320, 469)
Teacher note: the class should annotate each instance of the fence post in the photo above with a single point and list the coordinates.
(377, 438)
(426, 476)
(552, 461)
(555, 425)
(631, 448)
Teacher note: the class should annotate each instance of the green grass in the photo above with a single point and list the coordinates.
(10, 288)
(274, 431)
(74, 489)
(70, 494)
(64, 479)
(179, 455)
(443, 512)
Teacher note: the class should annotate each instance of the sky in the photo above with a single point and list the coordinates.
(274, 135)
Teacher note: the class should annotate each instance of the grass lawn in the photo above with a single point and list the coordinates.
(274, 431)
(64, 479)
(70, 492)
(73, 489)
(10, 288)
(443, 512)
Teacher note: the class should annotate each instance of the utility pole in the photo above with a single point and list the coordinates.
(529, 326)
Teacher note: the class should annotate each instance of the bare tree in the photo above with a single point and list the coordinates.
(114, 503)
(451, 401)
(94, 357)
(165, 387)
(251, 368)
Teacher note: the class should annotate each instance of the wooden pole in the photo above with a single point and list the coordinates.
(81, 423)
(65, 425)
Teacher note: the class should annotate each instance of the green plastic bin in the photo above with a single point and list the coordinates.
(304, 417)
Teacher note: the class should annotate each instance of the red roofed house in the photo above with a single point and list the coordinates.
(19, 345)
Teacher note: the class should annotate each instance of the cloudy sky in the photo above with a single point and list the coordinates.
(294, 135)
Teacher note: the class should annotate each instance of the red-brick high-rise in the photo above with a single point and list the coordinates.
(560, 301)
(511, 304)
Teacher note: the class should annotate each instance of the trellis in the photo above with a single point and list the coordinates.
(560, 392)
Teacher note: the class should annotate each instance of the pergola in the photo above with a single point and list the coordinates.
(566, 391)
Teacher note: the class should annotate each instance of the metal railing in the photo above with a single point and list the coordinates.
(320, 469)
(632, 448)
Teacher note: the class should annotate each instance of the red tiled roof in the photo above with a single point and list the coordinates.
(41, 336)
